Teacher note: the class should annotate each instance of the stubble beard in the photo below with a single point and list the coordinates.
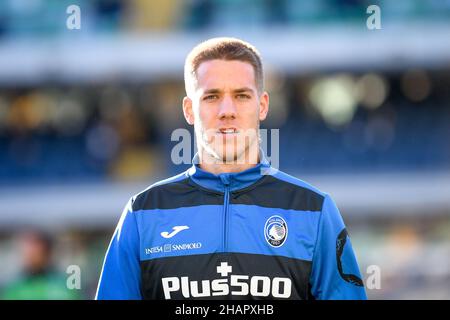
(230, 155)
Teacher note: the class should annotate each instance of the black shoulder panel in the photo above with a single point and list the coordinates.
(175, 195)
(275, 193)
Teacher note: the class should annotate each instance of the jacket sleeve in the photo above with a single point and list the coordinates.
(120, 277)
(335, 273)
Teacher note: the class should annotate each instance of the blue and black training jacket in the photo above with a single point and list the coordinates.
(256, 234)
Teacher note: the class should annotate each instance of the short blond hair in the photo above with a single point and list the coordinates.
(224, 48)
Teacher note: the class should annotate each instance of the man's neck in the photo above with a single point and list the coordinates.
(210, 164)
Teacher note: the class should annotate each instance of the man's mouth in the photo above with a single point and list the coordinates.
(228, 130)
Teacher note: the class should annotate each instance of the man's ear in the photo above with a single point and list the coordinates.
(188, 111)
(263, 106)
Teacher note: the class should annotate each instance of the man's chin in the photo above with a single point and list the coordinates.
(232, 155)
(225, 156)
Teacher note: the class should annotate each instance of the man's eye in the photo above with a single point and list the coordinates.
(210, 97)
(243, 96)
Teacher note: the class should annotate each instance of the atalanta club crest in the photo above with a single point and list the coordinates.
(275, 231)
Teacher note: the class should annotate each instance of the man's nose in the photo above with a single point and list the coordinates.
(227, 108)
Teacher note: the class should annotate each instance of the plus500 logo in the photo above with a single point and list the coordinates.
(239, 285)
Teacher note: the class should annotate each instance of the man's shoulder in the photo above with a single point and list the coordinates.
(297, 182)
(301, 194)
(174, 183)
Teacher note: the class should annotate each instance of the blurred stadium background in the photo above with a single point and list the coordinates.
(86, 117)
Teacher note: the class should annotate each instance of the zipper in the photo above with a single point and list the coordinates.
(225, 218)
(226, 203)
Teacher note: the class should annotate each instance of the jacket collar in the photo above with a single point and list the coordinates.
(234, 180)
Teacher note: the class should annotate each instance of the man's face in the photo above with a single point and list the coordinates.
(226, 109)
(35, 253)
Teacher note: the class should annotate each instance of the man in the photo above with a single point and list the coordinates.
(38, 278)
(230, 227)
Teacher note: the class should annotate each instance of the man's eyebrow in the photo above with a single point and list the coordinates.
(239, 90)
(244, 89)
(209, 91)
